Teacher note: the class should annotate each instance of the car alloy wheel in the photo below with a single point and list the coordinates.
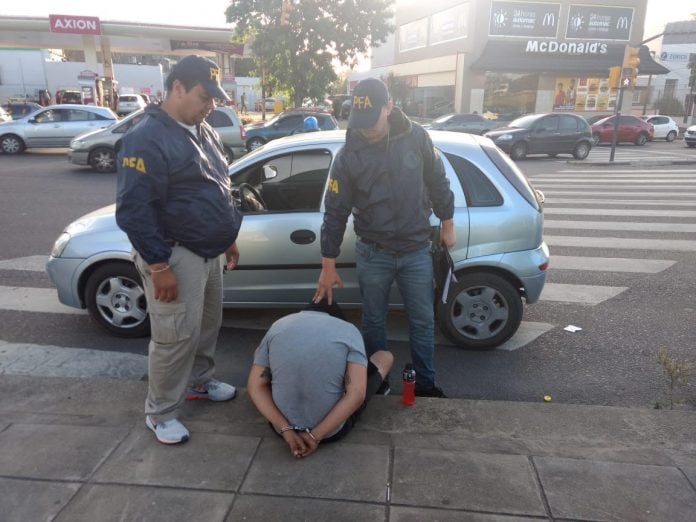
(103, 159)
(595, 139)
(641, 139)
(229, 155)
(115, 298)
(671, 135)
(518, 151)
(581, 151)
(254, 143)
(483, 311)
(11, 144)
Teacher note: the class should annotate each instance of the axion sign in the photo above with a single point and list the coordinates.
(74, 24)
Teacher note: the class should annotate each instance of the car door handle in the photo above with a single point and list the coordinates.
(303, 237)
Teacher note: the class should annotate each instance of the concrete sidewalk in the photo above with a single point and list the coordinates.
(78, 450)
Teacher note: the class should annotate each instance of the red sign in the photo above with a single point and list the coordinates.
(74, 24)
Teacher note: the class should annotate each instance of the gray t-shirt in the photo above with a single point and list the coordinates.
(307, 353)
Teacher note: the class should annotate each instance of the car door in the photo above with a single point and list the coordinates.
(569, 132)
(544, 136)
(284, 126)
(661, 124)
(628, 127)
(45, 128)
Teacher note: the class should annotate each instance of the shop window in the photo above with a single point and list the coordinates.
(508, 96)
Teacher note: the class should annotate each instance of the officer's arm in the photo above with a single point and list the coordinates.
(338, 203)
(436, 181)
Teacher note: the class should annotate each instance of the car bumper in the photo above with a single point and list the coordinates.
(78, 157)
(504, 145)
(63, 274)
(690, 138)
(525, 265)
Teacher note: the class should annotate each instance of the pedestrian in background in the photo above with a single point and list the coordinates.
(388, 175)
(175, 203)
(243, 108)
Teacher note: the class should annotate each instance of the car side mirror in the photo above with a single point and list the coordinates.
(269, 172)
(31, 120)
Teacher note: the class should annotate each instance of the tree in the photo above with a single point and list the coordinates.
(297, 43)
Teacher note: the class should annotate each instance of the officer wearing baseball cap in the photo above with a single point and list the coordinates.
(390, 177)
(175, 204)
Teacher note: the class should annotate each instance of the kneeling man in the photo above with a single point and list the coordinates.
(311, 378)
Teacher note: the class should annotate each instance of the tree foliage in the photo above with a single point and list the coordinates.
(298, 50)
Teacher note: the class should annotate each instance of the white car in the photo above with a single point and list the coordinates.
(665, 127)
(128, 103)
(53, 126)
(690, 136)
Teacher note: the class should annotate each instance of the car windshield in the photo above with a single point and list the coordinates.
(525, 122)
(443, 119)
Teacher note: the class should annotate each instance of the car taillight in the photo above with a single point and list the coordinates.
(242, 132)
(544, 267)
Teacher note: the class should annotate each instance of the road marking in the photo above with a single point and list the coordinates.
(625, 192)
(620, 212)
(621, 243)
(29, 263)
(60, 361)
(594, 182)
(629, 171)
(527, 333)
(24, 299)
(579, 294)
(610, 264)
(620, 225)
(635, 202)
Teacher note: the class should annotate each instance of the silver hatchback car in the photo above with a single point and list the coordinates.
(500, 257)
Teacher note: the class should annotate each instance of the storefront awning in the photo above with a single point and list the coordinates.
(516, 57)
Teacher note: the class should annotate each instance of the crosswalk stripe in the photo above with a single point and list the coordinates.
(25, 299)
(634, 202)
(626, 171)
(579, 294)
(29, 263)
(619, 212)
(595, 182)
(610, 264)
(527, 332)
(621, 225)
(626, 192)
(621, 243)
(61, 361)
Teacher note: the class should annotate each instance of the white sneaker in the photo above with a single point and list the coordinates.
(213, 390)
(168, 432)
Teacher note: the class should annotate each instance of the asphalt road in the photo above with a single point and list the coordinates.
(611, 361)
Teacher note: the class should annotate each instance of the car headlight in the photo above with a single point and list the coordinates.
(77, 144)
(60, 244)
(504, 137)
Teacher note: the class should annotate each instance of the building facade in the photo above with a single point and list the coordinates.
(503, 58)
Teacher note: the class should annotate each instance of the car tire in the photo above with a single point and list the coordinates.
(254, 143)
(582, 150)
(671, 136)
(12, 144)
(641, 139)
(691, 145)
(103, 159)
(115, 299)
(483, 310)
(229, 155)
(519, 151)
(596, 139)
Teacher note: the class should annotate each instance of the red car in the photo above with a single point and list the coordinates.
(631, 129)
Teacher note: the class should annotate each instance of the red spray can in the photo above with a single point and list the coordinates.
(408, 390)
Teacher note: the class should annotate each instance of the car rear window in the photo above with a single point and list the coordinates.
(125, 98)
(478, 189)
(512, 173)
(219, 119)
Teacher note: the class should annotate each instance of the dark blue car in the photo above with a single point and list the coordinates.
(285, 124)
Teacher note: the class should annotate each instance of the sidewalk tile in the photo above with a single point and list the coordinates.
(24, 500)
(336, 471)
(274, 509)
(459, 480)
(55, 451)
(206, 461)
(118, 503)
(613, 491)
(404, 514)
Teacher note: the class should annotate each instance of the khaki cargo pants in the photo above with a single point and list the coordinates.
(184, 332)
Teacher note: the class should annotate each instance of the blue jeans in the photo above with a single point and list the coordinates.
(413, 273)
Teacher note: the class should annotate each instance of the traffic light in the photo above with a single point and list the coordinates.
(614, 77)
(631, 63)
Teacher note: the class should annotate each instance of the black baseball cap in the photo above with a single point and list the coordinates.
(369, 96)
(193, 69)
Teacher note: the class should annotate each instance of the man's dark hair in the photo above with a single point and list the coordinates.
(323, 306)
(189, 83)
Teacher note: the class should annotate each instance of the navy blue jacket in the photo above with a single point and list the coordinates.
(174, 186)
(390, 187)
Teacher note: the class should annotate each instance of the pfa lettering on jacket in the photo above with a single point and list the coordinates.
(134, 163)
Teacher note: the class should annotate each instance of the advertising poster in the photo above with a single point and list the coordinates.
(599, 22)
(532, 19)
(584, 95)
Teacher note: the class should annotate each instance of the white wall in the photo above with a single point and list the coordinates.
(22, 73)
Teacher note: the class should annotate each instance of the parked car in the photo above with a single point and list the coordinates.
(52, 126)
(550, 134)
(664, 127)
(285, 124)
(631, 129)
(18, 110)
(98, 148)
(690, 136)
(470, 123)
(500, 257)
(69, 96)
(128, 103)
